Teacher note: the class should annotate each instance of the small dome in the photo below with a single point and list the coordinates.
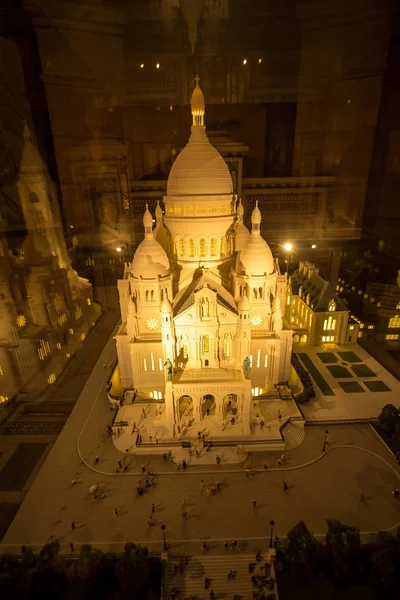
(150, 260)
(241, 235)
(199, 169)
(255, 257)
(166, 306)
(244, 303)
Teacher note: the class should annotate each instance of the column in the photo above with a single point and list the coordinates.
(169, 409)
(219, 409)
(196, 410)
(246, 406)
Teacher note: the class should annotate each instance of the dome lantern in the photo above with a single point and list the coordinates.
(148, 224)
(256, 221)
(198, 105)
(159, 213)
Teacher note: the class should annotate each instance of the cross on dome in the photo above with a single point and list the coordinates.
(198, 105)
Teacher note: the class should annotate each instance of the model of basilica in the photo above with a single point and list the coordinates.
(201, 301)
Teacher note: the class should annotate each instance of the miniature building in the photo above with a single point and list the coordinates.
(201, 300)
(314, 310)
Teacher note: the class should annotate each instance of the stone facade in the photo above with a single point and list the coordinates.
(201, 321)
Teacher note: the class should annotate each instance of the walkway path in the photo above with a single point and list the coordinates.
(329, 486)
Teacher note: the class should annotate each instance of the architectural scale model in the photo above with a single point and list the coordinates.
(202, 327)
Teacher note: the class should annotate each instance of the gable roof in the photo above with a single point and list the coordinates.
(186, 297)
(321, 291)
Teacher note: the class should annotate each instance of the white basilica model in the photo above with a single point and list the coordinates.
(201, 301)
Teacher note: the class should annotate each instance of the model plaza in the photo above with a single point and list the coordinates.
(202, 344)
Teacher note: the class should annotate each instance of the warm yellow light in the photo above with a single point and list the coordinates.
(157, 65)
(118, 249)
(259, 61)
(313, 246)
(142, 66)
(245, 61)
(288, 247)
(71, 226)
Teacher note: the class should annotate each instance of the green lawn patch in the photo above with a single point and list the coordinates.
(327, 357)
(349, 356)
(377, 386)
(362, 371)
(338, 372)
(351, 387)
(315, 374)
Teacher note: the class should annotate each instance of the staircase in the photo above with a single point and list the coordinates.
(228, 455)
(190, 583)
(293, 435)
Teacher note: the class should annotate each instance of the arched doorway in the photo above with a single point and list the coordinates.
(303, 338)
(207, 406)
(185, 407)
(230, 406)
(296, 339)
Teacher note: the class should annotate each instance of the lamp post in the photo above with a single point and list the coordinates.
(288, 247)
(163, 528)
(271, 523)
(325, 440)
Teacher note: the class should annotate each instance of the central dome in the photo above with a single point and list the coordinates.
(199, 169)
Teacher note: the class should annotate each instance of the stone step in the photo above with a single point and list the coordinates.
(228, 455)
(293, 435)
(216, 567)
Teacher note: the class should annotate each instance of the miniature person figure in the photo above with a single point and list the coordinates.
(246, 368)
(168, 364)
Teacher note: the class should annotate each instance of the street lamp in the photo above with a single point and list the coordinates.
(163, 528)
(271, 523)
(118, 249)
(288, 247)
(325, 440)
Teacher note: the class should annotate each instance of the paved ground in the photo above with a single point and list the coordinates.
(328, 487)
(342, 405)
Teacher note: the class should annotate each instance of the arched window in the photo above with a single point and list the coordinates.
(152, 295)
(325, 324)
(227, 349)
(260, 292)
(223, 245)
(191, 247)
(206, 344)
(147, 295)
(229, 244)
(185, 351)
(202, 247)
(255, 293)
(213, 247)
(181, 247)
